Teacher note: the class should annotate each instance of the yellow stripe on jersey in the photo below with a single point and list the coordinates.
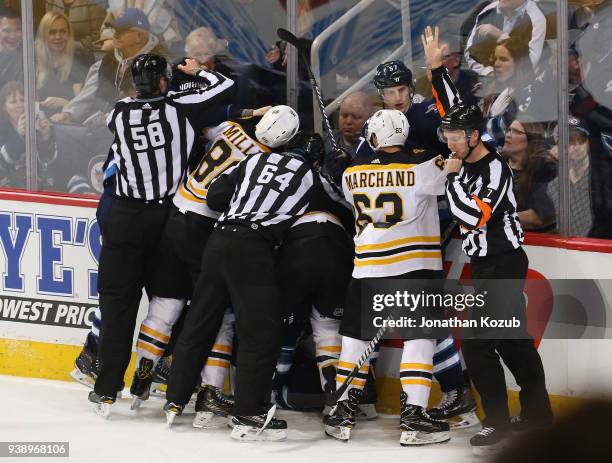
(331, 349)
(404, 256)
(416, 366)
(217, 363)
(360, 383)
(398, 242)
(366, 167)
(222, 348)
(190, 197)
(156, 334)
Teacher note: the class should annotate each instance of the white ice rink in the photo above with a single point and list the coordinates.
(42, 410)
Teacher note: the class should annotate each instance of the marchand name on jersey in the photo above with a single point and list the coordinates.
(380, 179)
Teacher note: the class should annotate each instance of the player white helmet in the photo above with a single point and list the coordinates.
(390, 127)
(277, 126)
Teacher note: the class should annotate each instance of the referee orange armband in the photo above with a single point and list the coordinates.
(485, 209)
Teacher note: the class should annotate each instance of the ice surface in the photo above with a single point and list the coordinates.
(44, 410)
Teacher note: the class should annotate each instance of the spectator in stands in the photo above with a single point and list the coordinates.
(512, 90)
(12, 135)
(579, 153)
(61, 65)
(85, 16)
(203, 45)
(11, 58)
(501, 19)
(355, 110)
(533, 168)
(110, 79)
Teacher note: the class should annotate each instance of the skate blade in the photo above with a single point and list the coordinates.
(251, 434)
(342, 433)
(423, 438)
(136, 403)
(170, 417)
(366, 412)
(463, 421)
(102, 410)
(489, 450)
(82, 378)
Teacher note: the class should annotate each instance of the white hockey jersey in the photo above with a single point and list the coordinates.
(230, 145)
(396, 212)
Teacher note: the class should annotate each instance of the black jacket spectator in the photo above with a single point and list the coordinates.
(527, 20)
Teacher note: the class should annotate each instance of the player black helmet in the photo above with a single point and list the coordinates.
(147, 69)
(392, 74)
(463, 117)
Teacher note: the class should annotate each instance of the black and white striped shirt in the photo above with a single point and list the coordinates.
(154, 136)
(270, 190)
(481, 199)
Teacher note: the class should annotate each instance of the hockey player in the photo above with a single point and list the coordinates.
(394, 83)
(399, 236)
(260, 197)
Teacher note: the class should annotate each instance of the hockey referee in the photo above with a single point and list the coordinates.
(154, 134)
(481, 198)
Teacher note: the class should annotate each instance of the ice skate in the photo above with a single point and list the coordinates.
(262, 427)
(211, 402)
(457, 408)
(418, 428)
(86, 368)
(101, 403)
(141, 384)
(172, 410)
(489, 441)
(160, 377)
(366, 410)
(341, 420)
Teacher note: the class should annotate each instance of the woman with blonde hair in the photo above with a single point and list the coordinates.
(60, 64)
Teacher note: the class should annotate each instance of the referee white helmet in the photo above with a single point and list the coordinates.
(277, 126)
(390, 127)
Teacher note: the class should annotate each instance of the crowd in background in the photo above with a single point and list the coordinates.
(502, 56)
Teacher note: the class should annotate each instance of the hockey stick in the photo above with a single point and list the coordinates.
(332, 397)
(302, 48)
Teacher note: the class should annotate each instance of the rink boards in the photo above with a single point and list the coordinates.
(48, 278)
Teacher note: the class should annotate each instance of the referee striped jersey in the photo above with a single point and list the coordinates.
(154, 136)
(481, 198)
(270, 190)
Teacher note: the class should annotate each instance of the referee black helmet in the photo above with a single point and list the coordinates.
(147, 70)
(463, 117)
